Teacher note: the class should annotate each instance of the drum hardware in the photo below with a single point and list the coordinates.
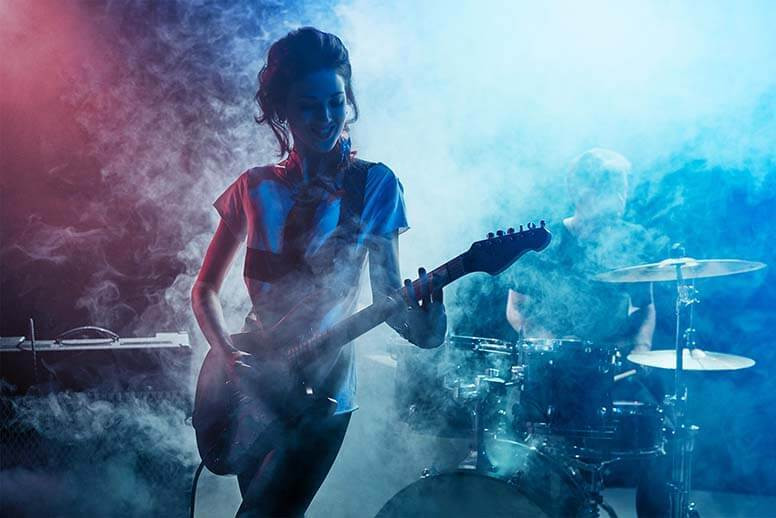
(685, 355)
(594, 486)
(438, 390)
(480, 375)
(430, 471)
(681, 472)
(624, 375)
(561, 435)
(589, 474)
(487, 386)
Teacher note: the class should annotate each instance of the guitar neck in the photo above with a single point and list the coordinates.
(372, 316)
(492, 255)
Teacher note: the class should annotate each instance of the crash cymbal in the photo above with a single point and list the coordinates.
(692, 360)
(691, 269)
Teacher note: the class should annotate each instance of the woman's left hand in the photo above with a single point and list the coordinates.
(426, 320)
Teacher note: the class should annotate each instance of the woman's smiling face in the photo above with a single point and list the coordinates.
(316, 110)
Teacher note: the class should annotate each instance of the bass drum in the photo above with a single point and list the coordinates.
(527, 484)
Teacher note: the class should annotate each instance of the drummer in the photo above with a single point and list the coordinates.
(553, 294)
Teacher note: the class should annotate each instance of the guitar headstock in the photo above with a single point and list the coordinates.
(496, 253)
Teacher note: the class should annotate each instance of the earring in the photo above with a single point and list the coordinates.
(344, 145)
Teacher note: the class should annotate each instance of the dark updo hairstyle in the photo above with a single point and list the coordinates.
(298, 53)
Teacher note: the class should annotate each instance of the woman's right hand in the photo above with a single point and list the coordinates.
(238, 363)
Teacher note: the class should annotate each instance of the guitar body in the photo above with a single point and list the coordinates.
(238, 421)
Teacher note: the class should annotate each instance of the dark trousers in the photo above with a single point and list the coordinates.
(284, 483)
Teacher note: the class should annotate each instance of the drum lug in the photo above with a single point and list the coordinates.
(429, 471)
(516, 479)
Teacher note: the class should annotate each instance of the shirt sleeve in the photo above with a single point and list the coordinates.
(230, 206)
(384, 209)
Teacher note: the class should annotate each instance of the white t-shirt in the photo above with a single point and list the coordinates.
(324, 290)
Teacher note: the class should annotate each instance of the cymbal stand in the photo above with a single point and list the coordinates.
(593, 483)
(684, 434)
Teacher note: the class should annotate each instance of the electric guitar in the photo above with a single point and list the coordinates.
(238, 421)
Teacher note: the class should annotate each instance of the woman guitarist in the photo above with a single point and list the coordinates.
(308, 223)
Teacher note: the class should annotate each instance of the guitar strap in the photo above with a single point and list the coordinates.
(341, 242)
(354, 185)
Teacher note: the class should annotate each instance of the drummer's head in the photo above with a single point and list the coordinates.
(598, 183)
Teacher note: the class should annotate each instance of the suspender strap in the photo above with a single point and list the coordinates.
(354, 184)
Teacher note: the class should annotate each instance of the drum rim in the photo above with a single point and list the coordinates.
(479, 339)
(577, 492)
(607, 456)
(558, 341)
(480, 344)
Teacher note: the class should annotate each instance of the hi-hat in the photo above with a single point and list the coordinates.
(692, 360)
(691, 269)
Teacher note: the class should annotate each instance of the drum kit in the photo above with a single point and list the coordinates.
(541, 417)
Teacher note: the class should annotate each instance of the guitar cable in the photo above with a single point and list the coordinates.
(194, 487)
(194, 482)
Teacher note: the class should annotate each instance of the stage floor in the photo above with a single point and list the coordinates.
(709, 504)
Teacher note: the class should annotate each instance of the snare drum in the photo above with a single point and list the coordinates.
(633, 430)
(638, 429)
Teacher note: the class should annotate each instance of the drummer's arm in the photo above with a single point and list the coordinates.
(516, 317)
(644, 316)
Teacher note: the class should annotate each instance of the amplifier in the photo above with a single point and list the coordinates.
(96, 426)
(158, 364)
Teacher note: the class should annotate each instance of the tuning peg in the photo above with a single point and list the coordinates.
(510, 230)
(500, 233)
(531, 226)
(491, 235)
(541, 223)
(521, 228)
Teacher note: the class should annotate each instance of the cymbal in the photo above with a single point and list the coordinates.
(692, 360)
(691, 269)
